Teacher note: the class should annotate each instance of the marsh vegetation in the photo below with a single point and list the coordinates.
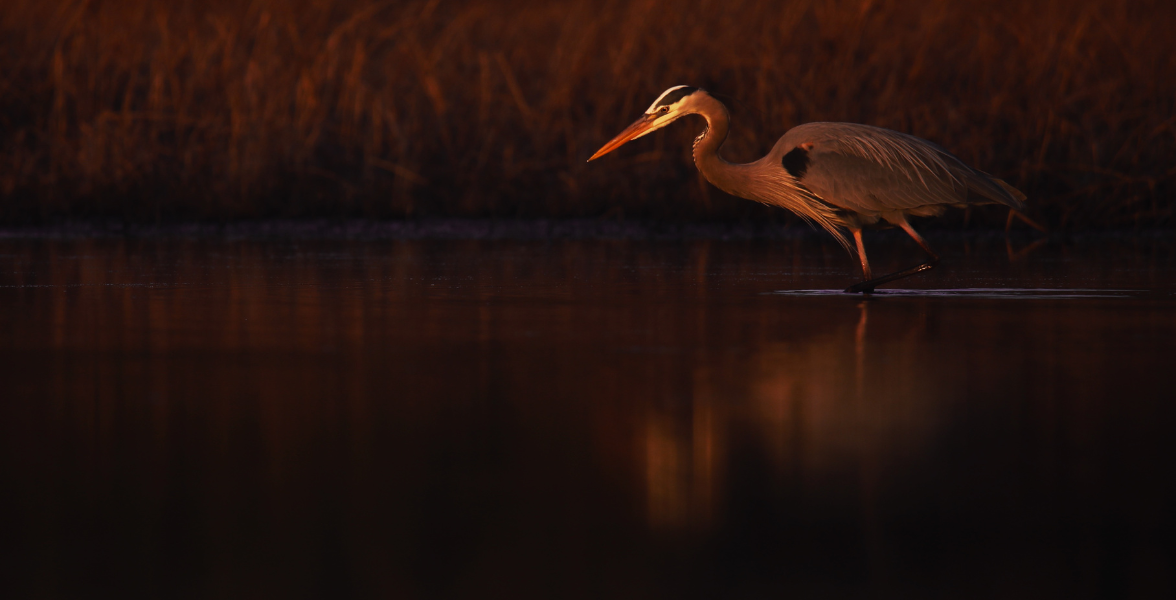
(148, 109)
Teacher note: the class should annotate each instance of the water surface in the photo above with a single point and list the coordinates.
(585, 419)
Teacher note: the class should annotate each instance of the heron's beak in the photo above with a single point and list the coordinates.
(639, 128)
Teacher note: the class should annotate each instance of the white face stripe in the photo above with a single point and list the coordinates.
(663, 95)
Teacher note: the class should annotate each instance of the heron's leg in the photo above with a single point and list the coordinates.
(920, 241)
(861, 248)
(869, 285)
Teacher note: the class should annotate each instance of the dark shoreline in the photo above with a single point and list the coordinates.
(511, 229)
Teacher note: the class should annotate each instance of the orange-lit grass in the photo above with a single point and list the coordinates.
(160, 109)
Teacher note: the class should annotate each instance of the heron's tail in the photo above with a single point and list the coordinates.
(986, 189)
(1014, 192)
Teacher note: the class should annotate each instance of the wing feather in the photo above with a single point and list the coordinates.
(871, 170)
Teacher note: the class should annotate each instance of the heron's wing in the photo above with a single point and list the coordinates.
(872, 170)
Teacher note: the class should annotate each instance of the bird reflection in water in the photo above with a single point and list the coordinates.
(816, 412)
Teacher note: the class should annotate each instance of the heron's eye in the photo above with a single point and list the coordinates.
(664, 109)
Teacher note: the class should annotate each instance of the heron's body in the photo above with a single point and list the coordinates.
(842, 176)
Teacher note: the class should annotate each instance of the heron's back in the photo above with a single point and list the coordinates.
(873, 171)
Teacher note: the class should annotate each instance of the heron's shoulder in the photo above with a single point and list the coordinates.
(833, 136)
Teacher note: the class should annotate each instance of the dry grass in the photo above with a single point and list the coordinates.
(150, 109)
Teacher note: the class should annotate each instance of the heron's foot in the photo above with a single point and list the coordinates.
(867, 287)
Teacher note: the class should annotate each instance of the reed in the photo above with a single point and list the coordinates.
(155, 109)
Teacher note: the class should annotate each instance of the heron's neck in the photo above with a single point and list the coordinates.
(730, 178)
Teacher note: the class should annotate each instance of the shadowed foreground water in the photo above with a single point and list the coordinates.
(585, 419)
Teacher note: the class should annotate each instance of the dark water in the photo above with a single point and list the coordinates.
(585, 419)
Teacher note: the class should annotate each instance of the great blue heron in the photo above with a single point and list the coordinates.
(841, 176)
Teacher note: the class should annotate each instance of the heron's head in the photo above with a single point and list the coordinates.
(670, 106)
